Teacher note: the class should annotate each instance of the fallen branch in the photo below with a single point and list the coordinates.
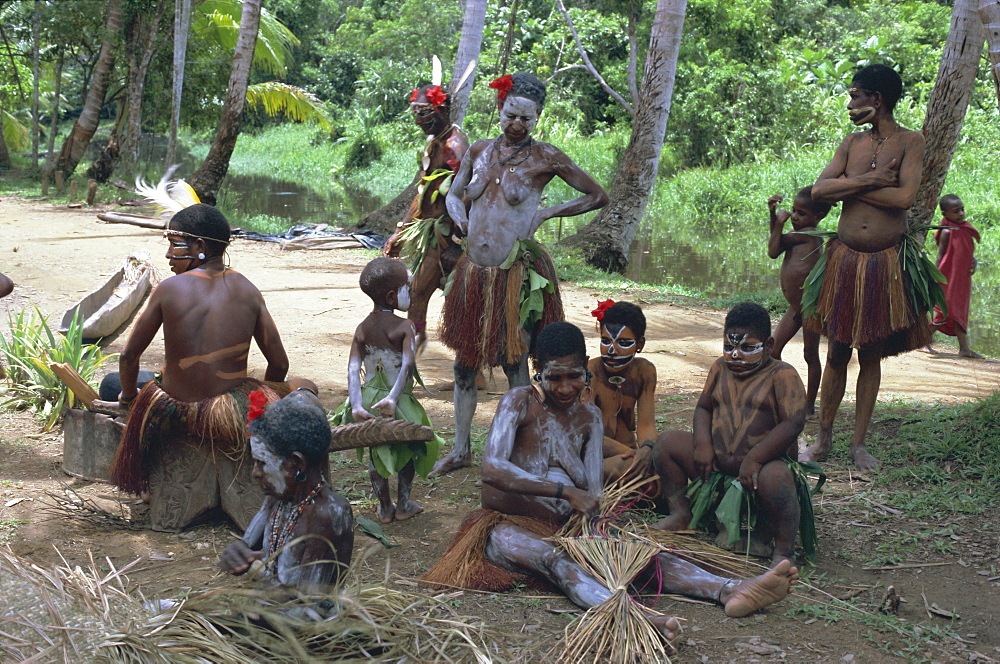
(904, 566)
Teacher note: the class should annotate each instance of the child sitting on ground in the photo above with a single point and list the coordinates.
(956, 246)
(383, 347)
(801, 253)
(746, 426)
(623, 387)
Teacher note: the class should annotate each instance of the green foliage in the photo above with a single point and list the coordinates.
(32, 346)
(294, 103)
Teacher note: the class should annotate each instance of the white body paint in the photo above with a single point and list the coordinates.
(271, 464)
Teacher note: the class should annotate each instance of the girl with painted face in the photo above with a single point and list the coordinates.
(304, 533)
(623, 387)
(384, 350)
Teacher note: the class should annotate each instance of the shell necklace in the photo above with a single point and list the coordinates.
(879, 142)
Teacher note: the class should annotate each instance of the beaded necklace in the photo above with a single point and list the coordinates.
(283, 523)
(497, 159)
(878, 144)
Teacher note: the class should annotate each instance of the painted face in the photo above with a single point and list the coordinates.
(179, 253)
(268, 468)
(618, 346)
(860, 106)
(743, 352)
(563, 379)
(802, 213)
(430, 119)
(518, 118)
(955, 213)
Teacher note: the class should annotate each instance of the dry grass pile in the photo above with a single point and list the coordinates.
(72, 614)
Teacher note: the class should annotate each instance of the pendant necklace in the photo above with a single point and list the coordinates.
(495, 159)
(879, 142)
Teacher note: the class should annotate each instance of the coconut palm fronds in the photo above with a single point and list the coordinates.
(708, 556)
(74, 614)
(168, 195)
(616, 498)
(619, 629)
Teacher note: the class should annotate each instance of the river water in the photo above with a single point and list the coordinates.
(714, 259)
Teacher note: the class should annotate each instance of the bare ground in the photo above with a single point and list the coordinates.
(55, 255)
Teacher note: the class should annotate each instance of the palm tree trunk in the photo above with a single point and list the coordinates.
(605, 241)
(947, 105)
(182, 26)
(989, 14)
(469, 46)
(4, 153)
(83, 130)
(142, 47)
(35, 30)
(208, 177)
(50, 157)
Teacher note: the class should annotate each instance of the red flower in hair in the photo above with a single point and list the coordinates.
(503, 85)
(598, 313)
(258, 400)
(436, 96)
(413, 95)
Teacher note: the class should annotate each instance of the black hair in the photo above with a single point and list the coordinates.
(528, 86)
(382, 276)
(881, 79)
(751, 317)
(294, 424)
(627, 314)
(948, 201)
(819, 209)
(205, 222)
(559, 340)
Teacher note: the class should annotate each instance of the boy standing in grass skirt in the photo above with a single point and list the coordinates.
(384, 346)
(504, 287)
(427, 234)
(873, 286)
(746, 428)
(623, 388)
(185, 438)
(542, 462)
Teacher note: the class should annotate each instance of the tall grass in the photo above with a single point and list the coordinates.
(32, 346)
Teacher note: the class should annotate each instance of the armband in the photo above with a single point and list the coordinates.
(559, 489)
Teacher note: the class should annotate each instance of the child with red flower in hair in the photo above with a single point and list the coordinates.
(623, 387)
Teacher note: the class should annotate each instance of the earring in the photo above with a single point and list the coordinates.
(201, 256)
(537, 378)
(300, 476)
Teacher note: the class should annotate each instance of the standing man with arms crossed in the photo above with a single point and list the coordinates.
(864, 301)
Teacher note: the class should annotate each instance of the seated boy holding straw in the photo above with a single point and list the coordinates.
(746, 427)
(542, 463)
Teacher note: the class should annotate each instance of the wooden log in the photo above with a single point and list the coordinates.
(75, 382)
(140, 220)
(377, 431)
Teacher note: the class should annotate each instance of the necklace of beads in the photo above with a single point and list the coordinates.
(878, 144)
(283, 523)
(495, 158)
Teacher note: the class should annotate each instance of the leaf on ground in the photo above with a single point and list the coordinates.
(373, 529)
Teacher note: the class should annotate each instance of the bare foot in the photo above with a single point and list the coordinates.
(754, 594)
(674, 522)
(778, 557)
(929, 350)
(387, 514)
(668, 627)
(407, 510)
(820, 449)
(968, 352)
(864, 461)
(481, 382)
(449, 463)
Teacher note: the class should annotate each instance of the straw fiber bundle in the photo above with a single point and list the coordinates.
(71, 614)
(617, 630)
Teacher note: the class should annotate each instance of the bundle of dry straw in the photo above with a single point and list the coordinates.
(74, 614)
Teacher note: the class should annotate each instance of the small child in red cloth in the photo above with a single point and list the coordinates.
(956, 246)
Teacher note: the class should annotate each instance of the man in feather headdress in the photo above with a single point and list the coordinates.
(185, 439)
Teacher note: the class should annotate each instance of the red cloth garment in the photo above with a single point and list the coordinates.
(956, 265)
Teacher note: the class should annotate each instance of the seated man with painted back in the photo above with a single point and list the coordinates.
(210, 315)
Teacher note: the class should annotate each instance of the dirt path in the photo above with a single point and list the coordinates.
(56, 255)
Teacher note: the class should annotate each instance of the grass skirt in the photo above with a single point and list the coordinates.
(485, 308)
(465, 564)
(155, 417)
(864, 300)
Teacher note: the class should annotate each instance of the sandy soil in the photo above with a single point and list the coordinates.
(56, 255)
